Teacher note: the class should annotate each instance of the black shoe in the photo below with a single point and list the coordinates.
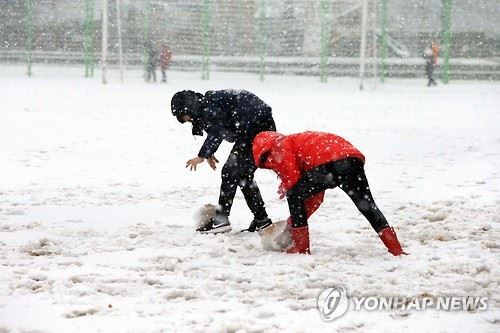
(258, 225)
(216, 225)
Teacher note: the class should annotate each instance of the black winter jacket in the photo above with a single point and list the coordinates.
(230, 115)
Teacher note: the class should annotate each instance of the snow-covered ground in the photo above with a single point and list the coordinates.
(96, 208)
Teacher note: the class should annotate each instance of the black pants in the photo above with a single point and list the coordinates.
(151, 73)
(429, 71)
(239, 170)
(349, 175)
(431, 81)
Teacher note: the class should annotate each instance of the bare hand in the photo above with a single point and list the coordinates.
(192, 163)
(212, 161)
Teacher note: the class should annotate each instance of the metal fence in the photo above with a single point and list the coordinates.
(322, 37)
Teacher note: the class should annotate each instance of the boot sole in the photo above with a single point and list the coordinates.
(220, 230)
(259, 229)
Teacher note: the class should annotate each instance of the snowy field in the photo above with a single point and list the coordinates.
(96, 208)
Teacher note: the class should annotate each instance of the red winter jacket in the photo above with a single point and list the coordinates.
(165, 57)
(290, 156)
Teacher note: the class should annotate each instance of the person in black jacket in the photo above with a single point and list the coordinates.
(235, 116)
(429, 67)
(152, 54)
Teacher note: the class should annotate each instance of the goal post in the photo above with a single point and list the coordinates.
(28, 28)
(362, 50)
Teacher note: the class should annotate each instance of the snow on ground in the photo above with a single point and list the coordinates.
(96, 208)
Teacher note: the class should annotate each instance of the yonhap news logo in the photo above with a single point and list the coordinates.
(333, 303)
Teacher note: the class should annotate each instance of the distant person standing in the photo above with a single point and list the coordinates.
(429, 67)
(152, 60)
(165, 59)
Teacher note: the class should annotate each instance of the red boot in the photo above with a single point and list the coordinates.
(300, 239)
(388, 236)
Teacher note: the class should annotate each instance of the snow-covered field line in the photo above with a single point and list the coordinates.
(96, 208)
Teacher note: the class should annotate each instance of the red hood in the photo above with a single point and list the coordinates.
(263, 142)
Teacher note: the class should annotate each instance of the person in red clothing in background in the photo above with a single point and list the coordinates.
(165, 58)
(308, 163)
(435, 53)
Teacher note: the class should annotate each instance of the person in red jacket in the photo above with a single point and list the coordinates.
(308, 163)
(165, 58)
(435, 53)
